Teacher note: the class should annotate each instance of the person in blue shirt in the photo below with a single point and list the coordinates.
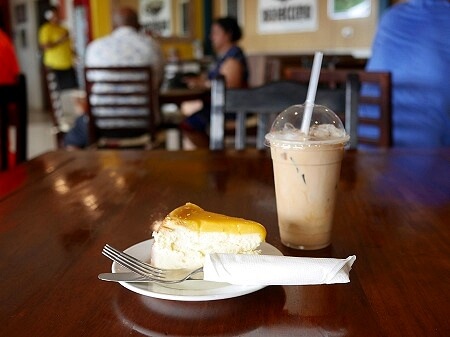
(230, 62)
(413, 43)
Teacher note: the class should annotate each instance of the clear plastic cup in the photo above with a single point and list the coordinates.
(306, 172)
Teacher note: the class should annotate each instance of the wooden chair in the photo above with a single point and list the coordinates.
(123, 106)
(56, 110)
(276, 65)
(13, 112)
(334, 78)
(62, 109)
(266, 102)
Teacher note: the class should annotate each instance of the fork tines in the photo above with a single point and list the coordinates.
(133, 264)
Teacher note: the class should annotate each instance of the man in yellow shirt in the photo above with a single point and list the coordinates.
(55, 42)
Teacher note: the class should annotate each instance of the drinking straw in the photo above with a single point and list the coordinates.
(311, 95)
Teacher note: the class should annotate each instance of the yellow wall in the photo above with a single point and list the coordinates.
(100, 18)
(101, 24)
(184, 45)
(327, 38)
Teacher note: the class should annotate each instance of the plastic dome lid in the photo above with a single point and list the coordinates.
(325, 128)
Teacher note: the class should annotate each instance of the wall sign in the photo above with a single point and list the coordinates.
(285, 16)
(345, 9)
(156, 16)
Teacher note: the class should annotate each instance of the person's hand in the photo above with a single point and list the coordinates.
(192, 82)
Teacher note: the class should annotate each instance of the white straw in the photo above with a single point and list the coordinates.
(312, 88)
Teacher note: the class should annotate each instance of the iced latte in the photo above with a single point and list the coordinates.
(306, 172)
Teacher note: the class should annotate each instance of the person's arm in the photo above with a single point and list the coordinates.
(44, 39)
(232, 70)
(55, 43)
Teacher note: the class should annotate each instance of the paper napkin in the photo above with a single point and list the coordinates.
(276, 270)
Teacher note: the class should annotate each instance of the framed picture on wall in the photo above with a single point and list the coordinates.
(281, 17)
(156, 16)
(348, 9)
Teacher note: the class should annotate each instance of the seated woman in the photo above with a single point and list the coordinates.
(231, 63)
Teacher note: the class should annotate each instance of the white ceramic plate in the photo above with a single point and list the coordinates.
(189, 290)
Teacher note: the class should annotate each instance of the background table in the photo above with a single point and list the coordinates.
(178, 96)
(58, 210)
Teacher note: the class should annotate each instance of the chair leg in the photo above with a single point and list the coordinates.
(173, 139)
(21, 135)
(60, 140)
(3, 138)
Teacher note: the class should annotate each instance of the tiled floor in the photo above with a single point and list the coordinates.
(40, 137)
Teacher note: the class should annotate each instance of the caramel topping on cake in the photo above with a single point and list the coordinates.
(195, 218)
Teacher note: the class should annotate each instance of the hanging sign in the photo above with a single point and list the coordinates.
(155, 16)
(285, 16)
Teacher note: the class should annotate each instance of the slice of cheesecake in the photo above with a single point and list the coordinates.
(189, 233)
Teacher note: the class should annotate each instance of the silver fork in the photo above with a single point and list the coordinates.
(146, 270)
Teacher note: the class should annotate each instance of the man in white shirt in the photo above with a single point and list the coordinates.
(125, 46)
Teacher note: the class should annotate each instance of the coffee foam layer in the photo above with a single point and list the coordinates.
(318, 135)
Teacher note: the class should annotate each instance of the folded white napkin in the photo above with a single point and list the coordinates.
(276, 270)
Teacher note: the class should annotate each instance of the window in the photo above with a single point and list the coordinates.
(234, 8)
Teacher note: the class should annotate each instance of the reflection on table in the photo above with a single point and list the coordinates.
(392, 212)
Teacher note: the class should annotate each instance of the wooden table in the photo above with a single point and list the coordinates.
(58, 210)
(178, 96)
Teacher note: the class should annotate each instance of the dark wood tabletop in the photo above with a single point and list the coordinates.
(58, 210)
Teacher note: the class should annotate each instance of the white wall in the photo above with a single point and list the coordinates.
(25, 41)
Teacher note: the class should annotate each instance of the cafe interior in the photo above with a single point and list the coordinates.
(379, 268)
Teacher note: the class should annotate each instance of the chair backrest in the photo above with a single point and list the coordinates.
(13, 111)
(56, 109)
(266, 102)
(382, 122)
(276, 65)
(122, 102)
